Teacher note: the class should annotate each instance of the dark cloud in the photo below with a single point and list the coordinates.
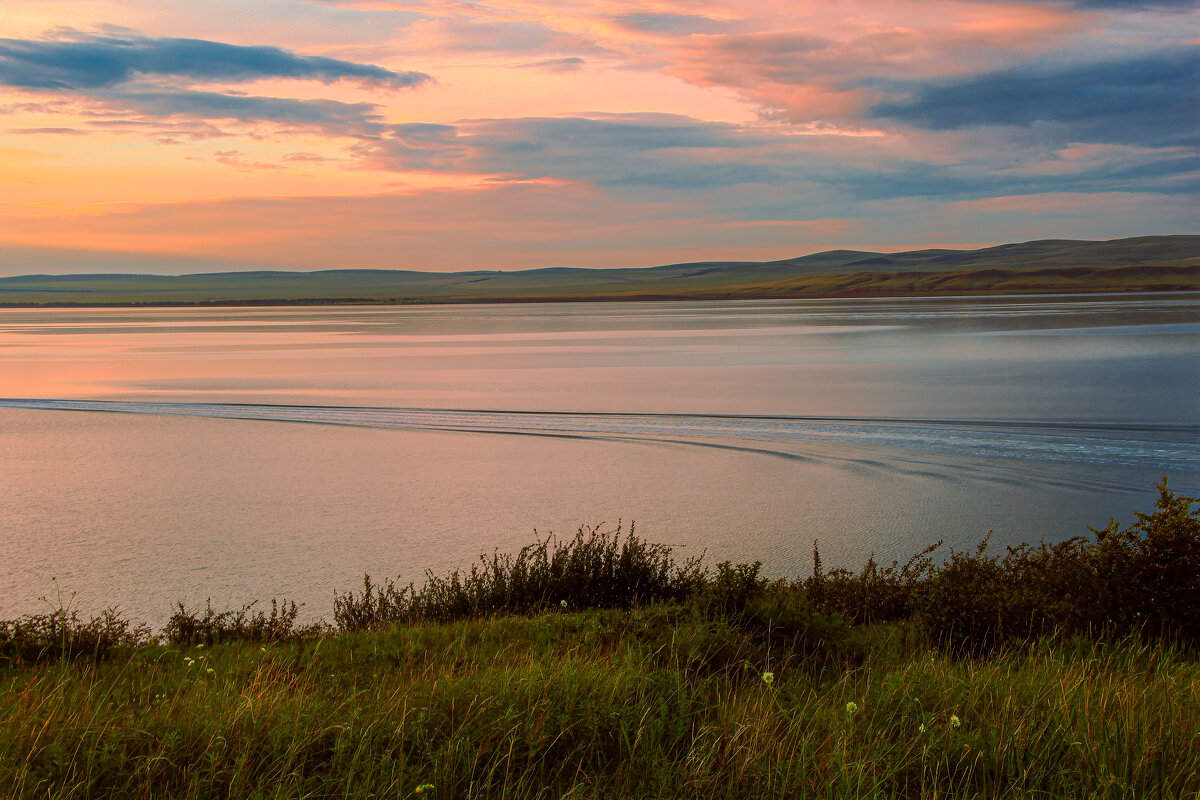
(100, 62)
(648, 151)
(967, 181)
(417, 145)
(658, 151)
(617, 132)
(674, 24)
(659, 155)
(328, 116)
(604, 150)
(169, 132)
(68, 131)
(1135, 5)
(1151, 101)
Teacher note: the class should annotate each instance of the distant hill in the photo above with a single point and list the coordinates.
(1147, 263)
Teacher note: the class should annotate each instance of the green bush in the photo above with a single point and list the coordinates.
(1150, 571)
(595, 569)
(778, 614)
(62, 634)
(1143, 579)
(189, 628)
(963, 603)
(872, 594)
(732, 588)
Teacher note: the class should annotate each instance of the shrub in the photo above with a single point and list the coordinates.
(189, 628)
(1051, 590)
(962, 604)
(1143, 579)
(1150, 571)
(62, 634)
(778, 614)
(595, 569)
(872, 594)
(732, 588)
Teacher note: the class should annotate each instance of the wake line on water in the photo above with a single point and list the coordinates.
(1169, 448)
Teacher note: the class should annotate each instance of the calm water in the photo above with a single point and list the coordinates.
(151, 456)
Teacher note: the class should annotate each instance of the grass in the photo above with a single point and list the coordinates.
(616, 703)
(649, 679)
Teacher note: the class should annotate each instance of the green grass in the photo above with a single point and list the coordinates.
(650, 702)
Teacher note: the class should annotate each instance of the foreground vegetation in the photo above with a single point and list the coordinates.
(602, 667)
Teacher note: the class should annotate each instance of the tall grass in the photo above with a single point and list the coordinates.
(595, 569)
(621, 703)
(246, 624)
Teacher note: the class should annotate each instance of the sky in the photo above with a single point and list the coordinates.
(175, 136)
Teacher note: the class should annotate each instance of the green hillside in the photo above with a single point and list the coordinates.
(1149, 263)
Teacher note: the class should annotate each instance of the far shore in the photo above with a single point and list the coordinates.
(1122, 281)
(1053, 266)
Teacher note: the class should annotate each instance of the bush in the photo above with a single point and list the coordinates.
(963, 603)
(872, 594)
(731, 590)
(778, 614)
(1150, 571)
(62, 634)
(189, 628)
(1144, 579)
(595, 569)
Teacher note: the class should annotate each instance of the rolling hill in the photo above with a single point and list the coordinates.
(1149, 263)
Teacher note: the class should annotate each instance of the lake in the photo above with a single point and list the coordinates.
(149, 456)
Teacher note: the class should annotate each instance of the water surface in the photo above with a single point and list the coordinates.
(156, 455)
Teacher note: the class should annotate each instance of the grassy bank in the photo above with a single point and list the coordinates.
(603, 704)
(602, 667)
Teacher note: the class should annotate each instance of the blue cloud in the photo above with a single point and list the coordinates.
(615, 133)
(659, 155)
(99, 62)
(328, 116)
(569, 64)
(658, 150)
(1151, 100)
(51, 131)
(1135, 5)
(677, 24)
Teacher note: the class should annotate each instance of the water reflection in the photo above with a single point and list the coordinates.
(747, 429)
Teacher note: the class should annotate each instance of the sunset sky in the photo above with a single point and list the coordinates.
(191, 135)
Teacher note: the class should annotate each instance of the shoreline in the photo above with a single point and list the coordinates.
(307, 289)
(647, 298)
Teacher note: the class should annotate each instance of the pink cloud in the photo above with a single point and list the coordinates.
(816, 71)
(1056, 203)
